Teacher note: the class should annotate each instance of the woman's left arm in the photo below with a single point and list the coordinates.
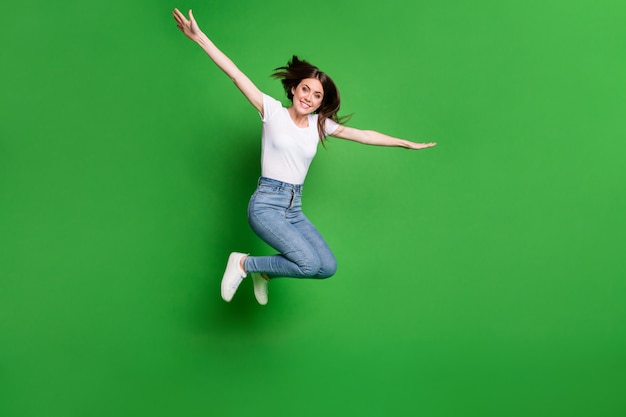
(371, 137)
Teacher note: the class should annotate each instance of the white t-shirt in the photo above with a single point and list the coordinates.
(287, 150)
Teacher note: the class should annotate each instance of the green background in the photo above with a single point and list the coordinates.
(484, 277)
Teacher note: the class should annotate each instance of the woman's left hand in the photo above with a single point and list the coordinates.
(414, 145)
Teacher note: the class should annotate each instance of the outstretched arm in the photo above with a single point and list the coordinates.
(192, 31)
(370, 137)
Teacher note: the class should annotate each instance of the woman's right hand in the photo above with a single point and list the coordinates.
(192, 31)
(188, 27)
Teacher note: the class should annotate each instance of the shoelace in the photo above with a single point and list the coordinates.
(235, 284)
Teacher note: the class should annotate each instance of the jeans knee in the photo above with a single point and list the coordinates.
(310, 266)
(315, 267)
(327, 269)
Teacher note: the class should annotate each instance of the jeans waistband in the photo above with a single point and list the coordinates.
(282, 185)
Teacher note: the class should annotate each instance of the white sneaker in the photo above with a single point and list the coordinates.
(260, 288)
(232, 276)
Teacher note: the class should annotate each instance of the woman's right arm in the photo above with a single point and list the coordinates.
(192, 31)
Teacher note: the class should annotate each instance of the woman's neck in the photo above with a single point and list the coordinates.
(300, 120)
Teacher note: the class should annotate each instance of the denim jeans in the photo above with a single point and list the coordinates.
(275, 215)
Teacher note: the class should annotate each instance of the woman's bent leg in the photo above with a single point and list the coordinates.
(328, 263)
(279, 221)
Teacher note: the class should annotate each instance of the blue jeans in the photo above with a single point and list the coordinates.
(275, 215)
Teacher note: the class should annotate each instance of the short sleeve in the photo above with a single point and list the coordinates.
(330, 126)
(270, 107)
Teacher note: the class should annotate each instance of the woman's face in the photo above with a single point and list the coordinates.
(308, 95)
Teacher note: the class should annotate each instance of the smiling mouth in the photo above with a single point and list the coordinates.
(306, 106)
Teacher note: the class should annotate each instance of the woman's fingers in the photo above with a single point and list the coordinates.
(189, 27)
(179, 17)
(424, 145)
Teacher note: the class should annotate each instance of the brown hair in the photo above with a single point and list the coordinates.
(297, 70)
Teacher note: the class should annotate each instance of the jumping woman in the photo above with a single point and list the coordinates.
(289, 142)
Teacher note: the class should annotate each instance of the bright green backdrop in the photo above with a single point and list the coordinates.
(484, 277)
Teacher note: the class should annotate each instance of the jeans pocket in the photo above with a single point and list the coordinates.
(270, 197)
(267, 189)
